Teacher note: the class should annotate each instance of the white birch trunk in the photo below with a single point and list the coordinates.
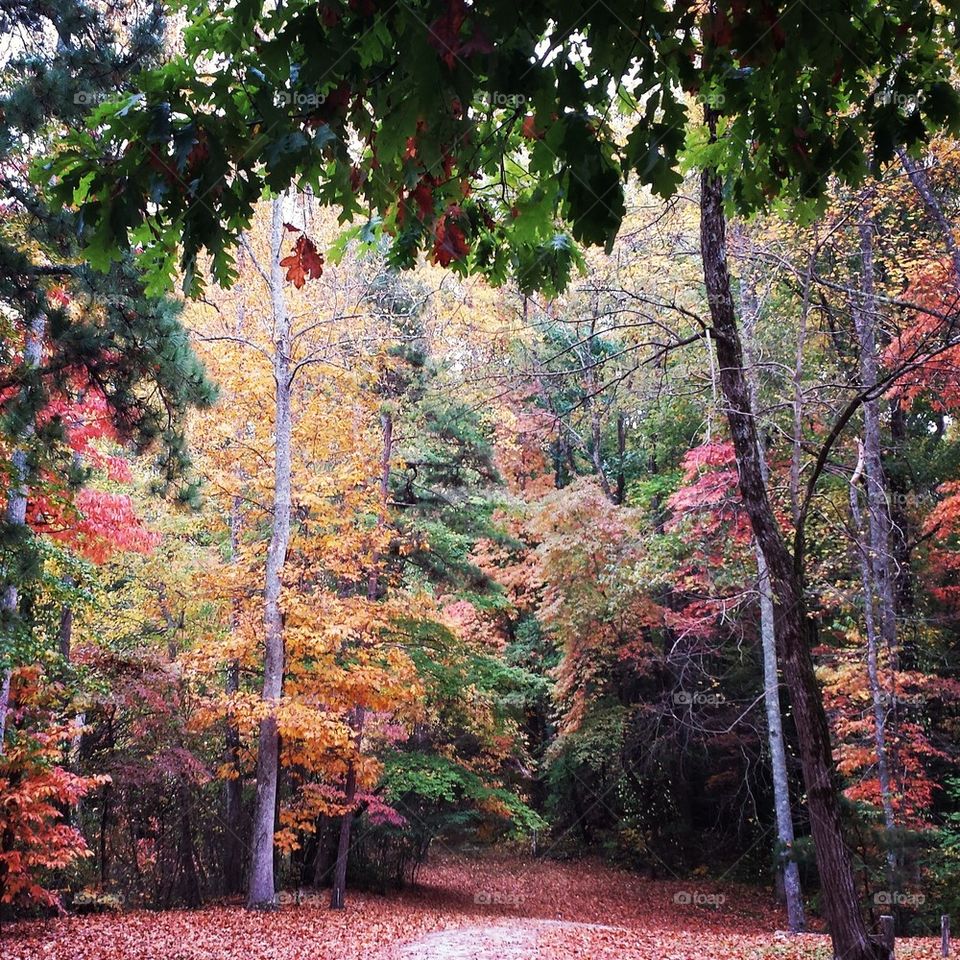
(789, 872)
(261, 893)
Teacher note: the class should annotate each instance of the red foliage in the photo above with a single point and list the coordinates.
(96, 524)
(932, 370)
(912, 754)
(943, 560)
(423, 196)
(710, 493)
(709, 512)
(530, 129)
(305, 263)
(85, 418)
(34, 789)
(445, 35)
(450, 243)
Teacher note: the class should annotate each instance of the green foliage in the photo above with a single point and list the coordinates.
(444, 489)
(438, 99)
(103, 332)
(441, 793)
(944, 868)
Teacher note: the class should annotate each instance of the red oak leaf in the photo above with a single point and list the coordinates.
(305, 263)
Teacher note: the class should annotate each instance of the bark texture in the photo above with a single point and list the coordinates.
(261, 891)
(796, 632)
(787, 868)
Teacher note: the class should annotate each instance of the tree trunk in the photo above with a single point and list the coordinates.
(873, 673)
(621, 457)
(594, 446)
(796, 456)
(337, 894)
(875, 559)
(106, 811)
(233, 797)
(787, 865)
(795, 631)
(321, 862)
(788, 873)
(921, 182)
(903, 535)
(261, 891)
(233, 787)
(17, 517)
(65, 631)
(232, 877)
(186, 854)
(878, 514)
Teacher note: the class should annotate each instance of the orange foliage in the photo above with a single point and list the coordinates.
(34, 788)
(932, 369)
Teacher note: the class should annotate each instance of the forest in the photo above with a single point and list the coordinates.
(479, 479)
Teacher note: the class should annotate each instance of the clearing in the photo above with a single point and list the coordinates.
(499, 908)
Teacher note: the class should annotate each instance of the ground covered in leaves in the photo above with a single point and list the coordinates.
(497, 908)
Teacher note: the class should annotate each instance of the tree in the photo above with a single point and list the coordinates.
(792, 115)
(69, 331)
(35, 787)
(348, 686)
(262, 891)
(793, 628)
(789, 873)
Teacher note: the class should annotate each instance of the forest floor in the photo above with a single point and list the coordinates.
(496, 908)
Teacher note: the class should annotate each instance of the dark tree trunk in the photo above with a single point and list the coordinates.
(795, 631)
(338, 892)
(233, 799)
(621, 457)
(189, 878)
(106, 810)
(322, 860)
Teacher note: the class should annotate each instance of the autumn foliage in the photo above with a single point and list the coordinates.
(36, 788)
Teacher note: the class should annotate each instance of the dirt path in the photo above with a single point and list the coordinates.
(508, 942)
(517, 939)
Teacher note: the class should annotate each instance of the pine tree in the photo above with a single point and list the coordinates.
(69, 331)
